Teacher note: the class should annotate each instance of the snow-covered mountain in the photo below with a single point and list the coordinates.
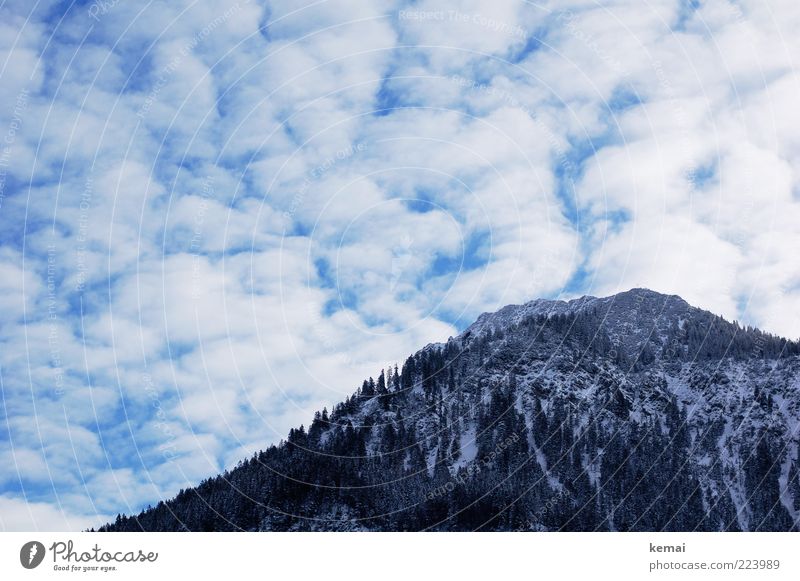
(630, 412)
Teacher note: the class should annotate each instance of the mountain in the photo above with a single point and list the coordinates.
(635, 412)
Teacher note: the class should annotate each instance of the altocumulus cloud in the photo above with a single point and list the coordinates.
(217, 217)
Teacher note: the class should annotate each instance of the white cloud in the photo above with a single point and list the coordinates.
(20, 515)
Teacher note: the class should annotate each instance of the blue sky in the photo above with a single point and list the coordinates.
(218, 217)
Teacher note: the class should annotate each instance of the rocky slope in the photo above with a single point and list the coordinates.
(631, 412)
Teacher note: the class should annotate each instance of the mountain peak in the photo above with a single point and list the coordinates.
(640, 303)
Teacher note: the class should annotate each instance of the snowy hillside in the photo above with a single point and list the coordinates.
(631, 412)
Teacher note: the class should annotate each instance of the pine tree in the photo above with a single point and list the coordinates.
(368, 388)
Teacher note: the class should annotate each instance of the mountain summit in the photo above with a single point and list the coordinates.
(630, 412)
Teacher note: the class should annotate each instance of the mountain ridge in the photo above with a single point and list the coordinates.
(630, 412)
